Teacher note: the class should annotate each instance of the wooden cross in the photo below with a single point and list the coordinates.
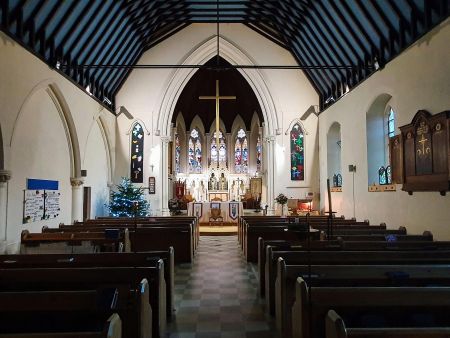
(217, 98)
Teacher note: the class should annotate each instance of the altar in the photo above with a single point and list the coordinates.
(230, 211)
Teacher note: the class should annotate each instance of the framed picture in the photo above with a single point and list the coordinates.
(151, 185)
(256, 185)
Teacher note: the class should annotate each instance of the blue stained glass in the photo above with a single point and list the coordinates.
(195, 152)
(389, 174)
(241, 152)
(177, 154)
(382, 179)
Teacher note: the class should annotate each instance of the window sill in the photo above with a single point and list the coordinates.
(382, 188)
(336, 189)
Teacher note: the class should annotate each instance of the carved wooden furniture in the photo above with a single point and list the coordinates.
(215, 216)
(420, 157)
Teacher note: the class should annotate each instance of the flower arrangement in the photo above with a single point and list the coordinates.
(281, 199)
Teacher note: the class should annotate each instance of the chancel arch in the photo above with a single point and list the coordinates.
(172, 93)
(230, 159)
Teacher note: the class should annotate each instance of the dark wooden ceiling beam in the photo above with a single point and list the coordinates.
(383, 40)
(330, 22)
(89, 21)
(101, 17)
(104, 35)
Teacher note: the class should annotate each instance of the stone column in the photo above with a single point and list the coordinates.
(77, 198)
(5, 176)
(165, 175)
(270, 142)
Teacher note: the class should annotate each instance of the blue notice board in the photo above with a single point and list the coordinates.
(35, 184)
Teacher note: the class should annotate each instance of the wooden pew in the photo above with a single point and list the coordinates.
(416, 257)
(154, 237)
(138, 259)
(82, 314)
(32, 243)
(133, 317)
(313, 303)
(282, 232)
(164, 220)
(336, 328)
(348, 275)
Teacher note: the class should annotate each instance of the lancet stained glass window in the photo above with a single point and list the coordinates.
(222, 152)
(137, 154)
(297, 154)
(177, 154)
(241, 152)
(195, 152)
(258, 153)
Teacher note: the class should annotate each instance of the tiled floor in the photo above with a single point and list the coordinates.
(217, 295)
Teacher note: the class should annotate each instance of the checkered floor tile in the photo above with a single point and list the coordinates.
(217, 295)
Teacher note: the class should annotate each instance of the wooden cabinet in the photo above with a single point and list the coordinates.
(420, 156)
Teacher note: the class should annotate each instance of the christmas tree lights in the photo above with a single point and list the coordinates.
(128, 200)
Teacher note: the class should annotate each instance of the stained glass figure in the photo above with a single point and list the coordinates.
(195, 152)
(258, 154)
(241, 152)
(297, 154)
(137, 154)
(177, 154)
(388, 175)
(221, 153)
(382, 179)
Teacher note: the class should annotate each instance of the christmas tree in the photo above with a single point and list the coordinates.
(128, 200)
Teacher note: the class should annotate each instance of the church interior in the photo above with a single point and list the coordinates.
(227, 168)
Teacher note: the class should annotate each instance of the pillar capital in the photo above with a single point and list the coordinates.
(76, 181)
(270, 138)
(5, 176)
(166, 139)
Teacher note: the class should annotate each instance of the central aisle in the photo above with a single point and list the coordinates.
(217, 296)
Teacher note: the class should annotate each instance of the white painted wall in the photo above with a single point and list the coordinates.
(417, 79)
(290, 91)
(47, 129)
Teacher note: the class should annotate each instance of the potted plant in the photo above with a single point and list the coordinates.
(282, 199)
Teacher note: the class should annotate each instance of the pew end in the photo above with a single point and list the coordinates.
(334, 326)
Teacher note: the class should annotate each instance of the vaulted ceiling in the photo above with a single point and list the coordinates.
(338, 43)
(231, 83)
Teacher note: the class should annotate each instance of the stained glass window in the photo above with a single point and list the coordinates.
(258, 154)
(177, 154)
(391, 123)
(222, 152)
(195, 152)
(241, 152)
(137, 154)
(297, 154)
(337, 180)
(382, 179)
(388, 175)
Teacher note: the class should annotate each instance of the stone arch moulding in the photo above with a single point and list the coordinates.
(141, 123)
(66, 118)
(200, 55)
(293, 123)
(107, 143)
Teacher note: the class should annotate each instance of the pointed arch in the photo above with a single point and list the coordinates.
(200, 55)
(66, 118)
(294, 122)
